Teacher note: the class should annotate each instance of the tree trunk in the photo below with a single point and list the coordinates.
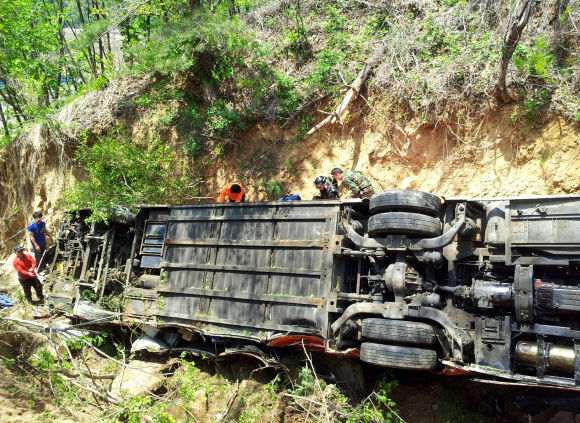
(511, 40)
(4, 122)
(10, 101)
(560, 41)
(342, 110)
(11, 98)
(79, 7)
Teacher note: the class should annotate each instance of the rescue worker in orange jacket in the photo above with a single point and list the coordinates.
(234, 191)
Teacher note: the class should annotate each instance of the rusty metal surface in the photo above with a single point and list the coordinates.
(259, 268)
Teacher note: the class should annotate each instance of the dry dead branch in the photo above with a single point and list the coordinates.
(307, 105)
(342, 110)
(317, 381)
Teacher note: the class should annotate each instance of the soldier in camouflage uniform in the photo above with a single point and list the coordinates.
(359, 185)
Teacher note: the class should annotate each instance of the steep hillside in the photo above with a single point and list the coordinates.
(494, 156)
(38, 165)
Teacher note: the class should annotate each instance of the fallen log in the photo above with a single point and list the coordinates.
(340, 113)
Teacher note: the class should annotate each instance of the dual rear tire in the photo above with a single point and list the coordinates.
(409, 356)
(405, 212)
(414, 214)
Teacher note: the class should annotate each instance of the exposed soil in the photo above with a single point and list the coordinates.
(494, 157)
(23, 396)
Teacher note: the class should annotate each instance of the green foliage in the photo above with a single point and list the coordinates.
(296, 42)
(178, 45)
(290, 167)
(438, 40)
(64, 391)
(273, 187)
(222, 117)
(536, 60)
(436, 57)
(451, 3)
(306, 383)
(189, 380)
(5, 139)
(77, 343)
(133, 410)
(145, 100)
(165, 121)
(305, 125)
(325, 74)
(336, 21)
(99, 83)
(565, 15)
(544, 159)
(193, 147)
(531, 108)
(161, 303)
(384, 409)
(514, 117)
(124, 173)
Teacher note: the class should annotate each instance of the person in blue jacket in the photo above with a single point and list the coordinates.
(38, 233)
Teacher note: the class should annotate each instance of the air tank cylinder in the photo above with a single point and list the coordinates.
(559, 358)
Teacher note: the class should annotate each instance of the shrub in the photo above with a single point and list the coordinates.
(125, 173)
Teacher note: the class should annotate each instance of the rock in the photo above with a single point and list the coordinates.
(141, 377)
(200, 402)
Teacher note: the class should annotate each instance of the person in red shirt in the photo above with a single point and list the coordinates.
(234, 191)
(25, 265)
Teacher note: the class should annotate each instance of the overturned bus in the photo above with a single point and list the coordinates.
(409, 280)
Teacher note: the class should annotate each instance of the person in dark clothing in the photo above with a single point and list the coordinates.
(326, 187)
(38, 233)
(25, 265)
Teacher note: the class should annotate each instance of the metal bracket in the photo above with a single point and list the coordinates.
(395, 278)
(336, 244)
(447, 237)
(542, 359)
(523, 289)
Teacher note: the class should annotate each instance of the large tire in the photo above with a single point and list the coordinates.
(396, 356)
(401, 331)
(406, 201)
(121, 215)
(404, 224)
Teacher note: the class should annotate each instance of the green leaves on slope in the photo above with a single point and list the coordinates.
(124, 173)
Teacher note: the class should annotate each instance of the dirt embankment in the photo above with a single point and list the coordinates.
(38, 165)
(503, 154)
(495, 156)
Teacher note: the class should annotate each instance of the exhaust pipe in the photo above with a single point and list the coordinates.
(558, 358)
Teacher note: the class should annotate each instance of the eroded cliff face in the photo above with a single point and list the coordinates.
(493, 156)
(38, 165)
